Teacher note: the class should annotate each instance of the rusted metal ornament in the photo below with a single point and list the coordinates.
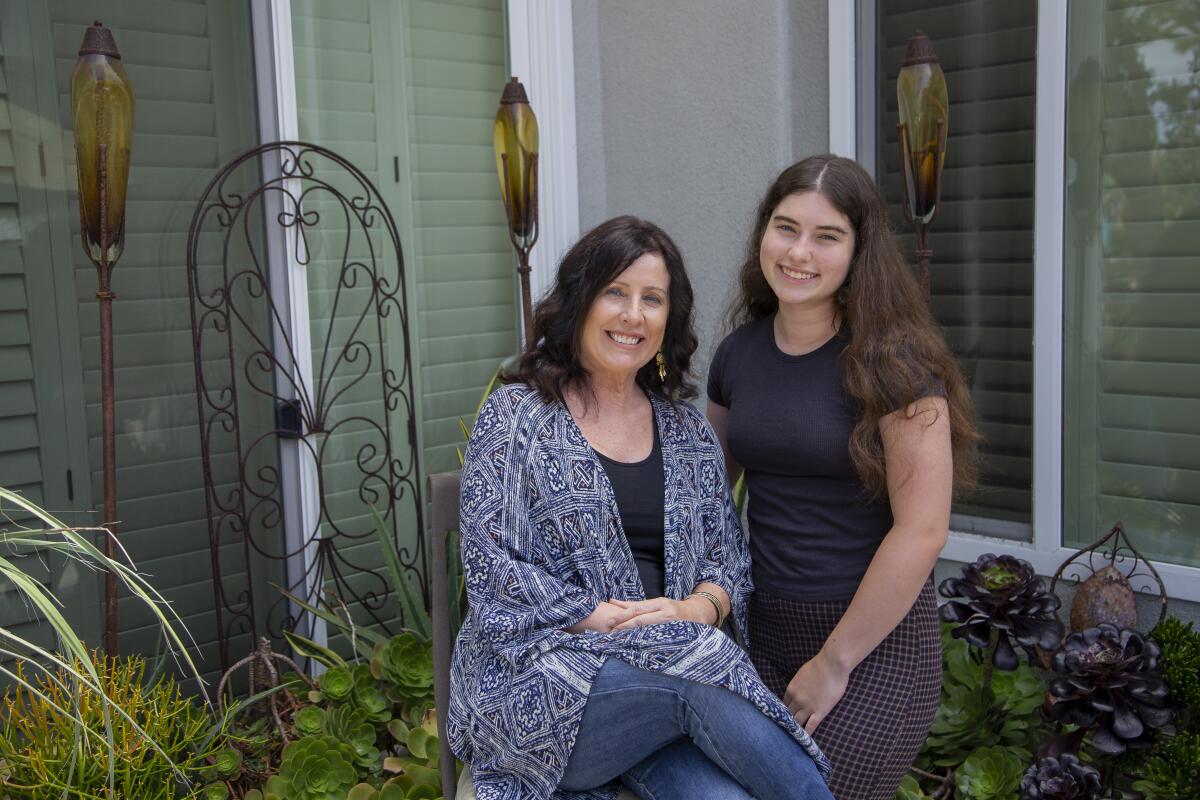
(1104, 597)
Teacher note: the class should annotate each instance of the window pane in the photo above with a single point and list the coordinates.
(982, 239)
(1131, 326)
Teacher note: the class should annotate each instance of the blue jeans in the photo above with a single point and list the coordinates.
(668, 737)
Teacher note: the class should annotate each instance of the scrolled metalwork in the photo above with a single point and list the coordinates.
(355, 405)
(1114, 549)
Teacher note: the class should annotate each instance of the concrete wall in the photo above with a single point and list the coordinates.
(686, 112)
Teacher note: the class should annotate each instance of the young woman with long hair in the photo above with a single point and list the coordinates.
(838, 396)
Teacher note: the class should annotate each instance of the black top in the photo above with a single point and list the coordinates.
(813, 527)
(639, 488)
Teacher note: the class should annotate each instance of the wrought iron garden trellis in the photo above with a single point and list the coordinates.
(247, 360)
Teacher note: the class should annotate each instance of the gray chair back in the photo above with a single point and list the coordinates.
(443, 518)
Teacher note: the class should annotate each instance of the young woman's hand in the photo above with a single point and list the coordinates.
(814, 690)
(664, 609)
(606, 617)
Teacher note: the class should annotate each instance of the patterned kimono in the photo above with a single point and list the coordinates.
(542, 544)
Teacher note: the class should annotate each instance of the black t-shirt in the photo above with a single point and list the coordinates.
(639, 487)
(813, 526)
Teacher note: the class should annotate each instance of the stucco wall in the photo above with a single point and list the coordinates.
(686, 111)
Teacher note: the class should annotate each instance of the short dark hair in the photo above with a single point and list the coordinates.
(552, 363)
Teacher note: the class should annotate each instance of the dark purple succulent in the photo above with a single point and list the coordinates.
(1002, 594)
(1109, 681)
(1060, 778)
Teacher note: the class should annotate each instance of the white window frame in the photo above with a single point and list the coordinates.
(541, 53)
(278, 120)
(847, 111)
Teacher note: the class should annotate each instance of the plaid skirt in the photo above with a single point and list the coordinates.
(875, 732)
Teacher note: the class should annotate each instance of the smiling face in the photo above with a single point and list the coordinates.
(806, 251)
(625, 323)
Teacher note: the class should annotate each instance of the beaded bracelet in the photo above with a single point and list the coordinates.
(712, 598)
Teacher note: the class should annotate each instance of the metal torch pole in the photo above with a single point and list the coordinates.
(108, 432)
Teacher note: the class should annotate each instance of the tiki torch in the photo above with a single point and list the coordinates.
(924, 115)
(102, 106)
(515, 140)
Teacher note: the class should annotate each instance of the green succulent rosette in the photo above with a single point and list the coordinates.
(215, 791)
(315, 768)
(351, 725)
(406, 662)
(374, 704)
(227, 762)
(337, 683)
(990, 773)
(309, 720)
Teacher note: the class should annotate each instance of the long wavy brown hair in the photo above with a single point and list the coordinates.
(552, 364)
(895, 351)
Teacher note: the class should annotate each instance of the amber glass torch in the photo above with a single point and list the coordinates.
(515, 140)
(924, 116)
(102, 108)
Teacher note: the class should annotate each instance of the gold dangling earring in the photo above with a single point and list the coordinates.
(662, 367)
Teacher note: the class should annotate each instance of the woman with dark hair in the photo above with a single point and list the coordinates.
(587, 488)
(837, 395)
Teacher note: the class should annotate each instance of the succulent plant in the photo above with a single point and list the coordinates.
(969, 717)
(371, 700)
(1002, 594)
(1109, 681)
(391, 790)
(406, 662)
(990, 773)
(417, 769)
(227, 762)
(309, 719)
(1180, 659)
(215, 791)
(337, 683)
(1060, 778)
(1173, 769)
(350, 725)
(910, 789)
(314, 768)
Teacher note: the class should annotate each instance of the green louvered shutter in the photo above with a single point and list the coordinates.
(191, 67)
(37, 449)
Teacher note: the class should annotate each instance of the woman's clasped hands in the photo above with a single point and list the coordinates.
(621, 615)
